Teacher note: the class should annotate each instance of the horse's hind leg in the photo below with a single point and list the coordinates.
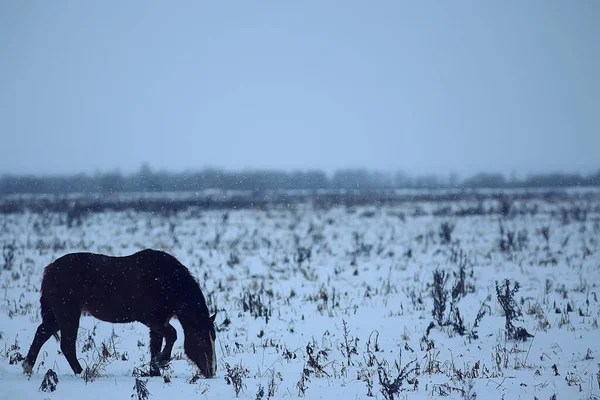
(47, 328)
(69, 325)
(43, 333)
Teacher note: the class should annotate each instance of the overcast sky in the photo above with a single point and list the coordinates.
(463, 86)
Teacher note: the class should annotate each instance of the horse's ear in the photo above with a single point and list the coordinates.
(212, 317)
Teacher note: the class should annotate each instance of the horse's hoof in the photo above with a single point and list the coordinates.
(163, 363)
(162, 360)
(27, 367)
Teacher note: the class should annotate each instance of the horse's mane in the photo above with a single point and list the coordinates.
(190, 289)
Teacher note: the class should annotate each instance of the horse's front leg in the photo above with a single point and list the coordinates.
(159, 358)
(155, 345)
(170, 335)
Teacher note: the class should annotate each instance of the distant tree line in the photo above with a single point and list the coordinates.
(147, 180)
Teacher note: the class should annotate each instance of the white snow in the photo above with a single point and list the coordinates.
(359, 273)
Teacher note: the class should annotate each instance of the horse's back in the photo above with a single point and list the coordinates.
(113, 288)
(95, 265)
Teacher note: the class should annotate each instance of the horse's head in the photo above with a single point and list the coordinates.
(200, 346)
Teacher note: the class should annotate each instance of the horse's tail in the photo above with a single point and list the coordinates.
(47, 314)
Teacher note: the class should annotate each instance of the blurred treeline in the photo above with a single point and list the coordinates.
(147, 180)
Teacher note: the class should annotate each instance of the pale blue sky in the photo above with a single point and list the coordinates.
(422, 86)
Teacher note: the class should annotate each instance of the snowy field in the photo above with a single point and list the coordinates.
(334, 303)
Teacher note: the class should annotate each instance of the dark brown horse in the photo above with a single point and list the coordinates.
(149, 287)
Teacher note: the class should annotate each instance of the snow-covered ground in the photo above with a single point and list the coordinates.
(334, 303)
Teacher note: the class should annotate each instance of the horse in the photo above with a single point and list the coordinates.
(149, 286)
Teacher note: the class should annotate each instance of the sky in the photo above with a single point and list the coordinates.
(418, 86)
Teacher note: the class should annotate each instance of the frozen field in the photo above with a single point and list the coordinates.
(338, 302)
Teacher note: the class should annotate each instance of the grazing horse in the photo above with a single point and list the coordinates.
(149, 286)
